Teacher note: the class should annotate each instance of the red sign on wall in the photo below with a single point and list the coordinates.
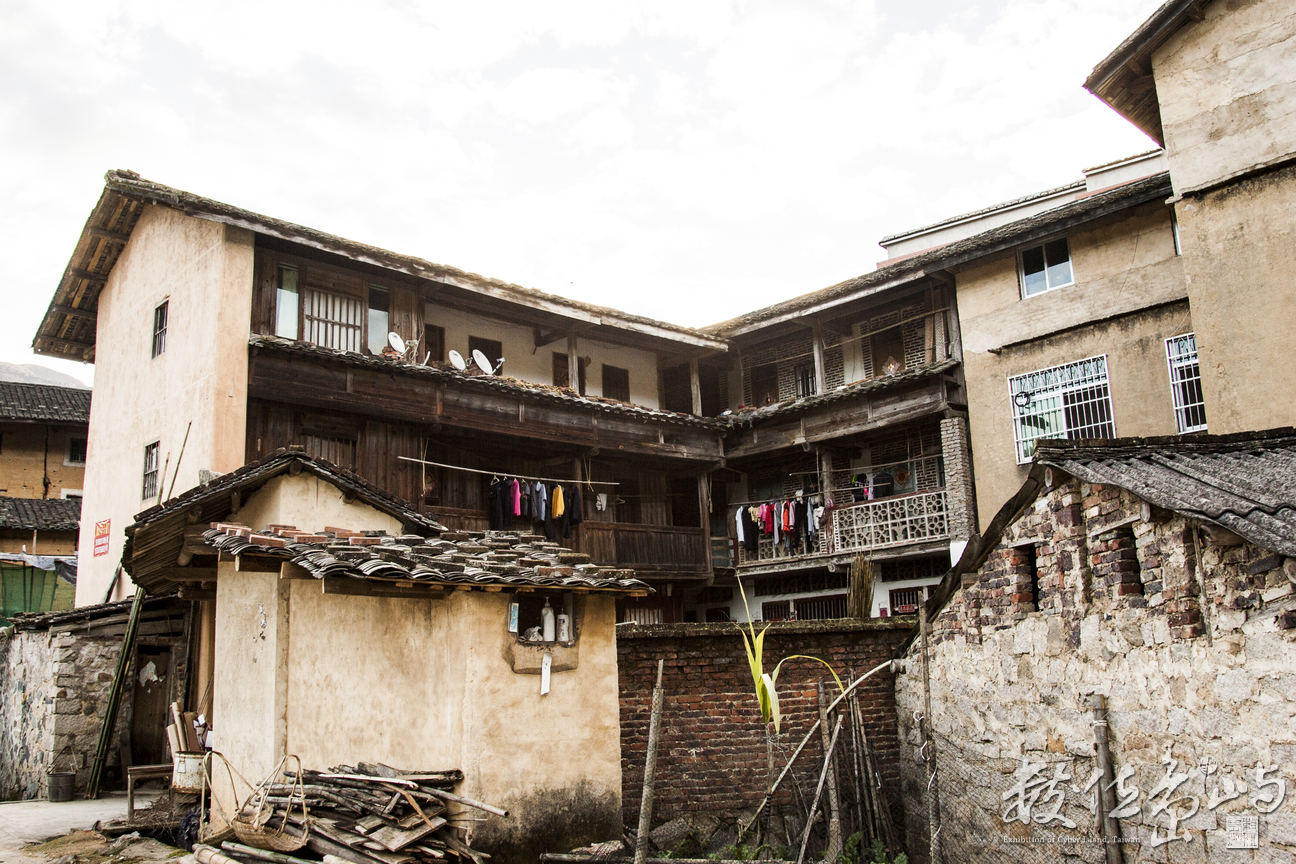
(102, 532)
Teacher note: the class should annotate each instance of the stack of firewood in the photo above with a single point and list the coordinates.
(364, 814)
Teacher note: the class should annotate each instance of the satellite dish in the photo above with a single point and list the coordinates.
(396, 342)
(482, 363)
(457, 361)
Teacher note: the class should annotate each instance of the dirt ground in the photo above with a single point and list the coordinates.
(44, 832)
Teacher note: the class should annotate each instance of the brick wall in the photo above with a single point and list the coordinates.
(711, 757)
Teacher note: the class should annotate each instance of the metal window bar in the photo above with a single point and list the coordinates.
(1069, 401)
(333, 320)
(1185, 383)
(820, 608)
(904, 601)
(160, 328)
(150, 489)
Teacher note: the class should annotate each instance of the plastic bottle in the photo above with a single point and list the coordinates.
(547, 620)
(564, 628)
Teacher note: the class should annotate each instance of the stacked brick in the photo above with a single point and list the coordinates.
(712, 755)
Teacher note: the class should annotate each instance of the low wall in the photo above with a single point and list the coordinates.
(712, 755)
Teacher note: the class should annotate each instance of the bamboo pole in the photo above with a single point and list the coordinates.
(928, 744)
(650, 772)
(805, 835)
(263, 854)
(834, 803)
(114, 697)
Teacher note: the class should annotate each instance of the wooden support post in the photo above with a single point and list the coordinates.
(695, 384)
(928, 743)
(704, 509)
(114, 697)
(573, 363)
(821, 371)
(805, 837)
(650, 772)
(1107, 824)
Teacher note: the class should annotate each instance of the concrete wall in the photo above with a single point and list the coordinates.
(1227, 90)
(1238, 245)
(1190, 643)
(1128, 298)
(527, 363)
(204, 270)
(27, 455)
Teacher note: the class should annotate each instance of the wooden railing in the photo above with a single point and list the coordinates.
(888, 522)
(645, 547)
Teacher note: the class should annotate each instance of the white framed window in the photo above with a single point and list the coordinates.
(160, 313)
(76, 451)
(1045, 267)
(150, 486)
(1069, 401)
(1185, 383)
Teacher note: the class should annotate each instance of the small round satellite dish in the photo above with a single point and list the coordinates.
(482, 363)
(457, 361)
(396, 342)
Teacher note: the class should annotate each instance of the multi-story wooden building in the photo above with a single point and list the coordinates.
(220, 336)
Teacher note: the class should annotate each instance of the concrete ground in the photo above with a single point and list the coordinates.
(26, 822)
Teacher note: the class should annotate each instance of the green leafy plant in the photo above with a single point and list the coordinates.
(765, 682)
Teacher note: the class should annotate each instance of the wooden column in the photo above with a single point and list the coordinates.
(952, 320)
(821, 372)
(573, 363)
(695, 384)
(704, 508)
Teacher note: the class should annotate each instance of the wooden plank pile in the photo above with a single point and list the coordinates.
(363, 814)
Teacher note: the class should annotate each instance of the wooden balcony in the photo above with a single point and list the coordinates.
(898, 522)
(649, 549)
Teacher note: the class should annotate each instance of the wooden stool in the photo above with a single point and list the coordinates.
(142, 772)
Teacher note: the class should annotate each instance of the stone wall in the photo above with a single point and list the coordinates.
(1187, 634)
(712, 758)
(26, 713)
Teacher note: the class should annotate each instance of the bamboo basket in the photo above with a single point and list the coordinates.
(252, 824)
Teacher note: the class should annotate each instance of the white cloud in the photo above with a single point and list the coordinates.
(687, 159)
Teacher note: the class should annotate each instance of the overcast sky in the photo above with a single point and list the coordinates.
(682, 159)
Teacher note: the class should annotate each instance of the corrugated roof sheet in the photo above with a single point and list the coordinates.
(1245, 483)
(40, 514)
(43, 402)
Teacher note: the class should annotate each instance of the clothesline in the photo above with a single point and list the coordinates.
(814, 494)
(513, 474)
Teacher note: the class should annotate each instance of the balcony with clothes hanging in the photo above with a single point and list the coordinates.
(886, 510)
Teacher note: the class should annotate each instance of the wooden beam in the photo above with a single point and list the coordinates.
(107, 235)
(252, 563)
(74, 312)
(188, 574)
(695, 385)
(347, 586)
(78, 273)
(573, 362)
(190, 592)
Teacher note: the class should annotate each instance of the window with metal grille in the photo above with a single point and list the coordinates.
(76, 453)
(616, 383)
(778, 610)
(160, 328)
(820, 608)
(904, 601)
(805, 381)
(150, 489)
(333, 320)
(1046, 267)
(1069, 401)
(1185, 383)
(639, 615)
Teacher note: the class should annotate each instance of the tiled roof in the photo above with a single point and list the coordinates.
(476, 558)
(44, 402)
(747, 416)
(40, 514)
(1244, 482)
(1004, 237)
